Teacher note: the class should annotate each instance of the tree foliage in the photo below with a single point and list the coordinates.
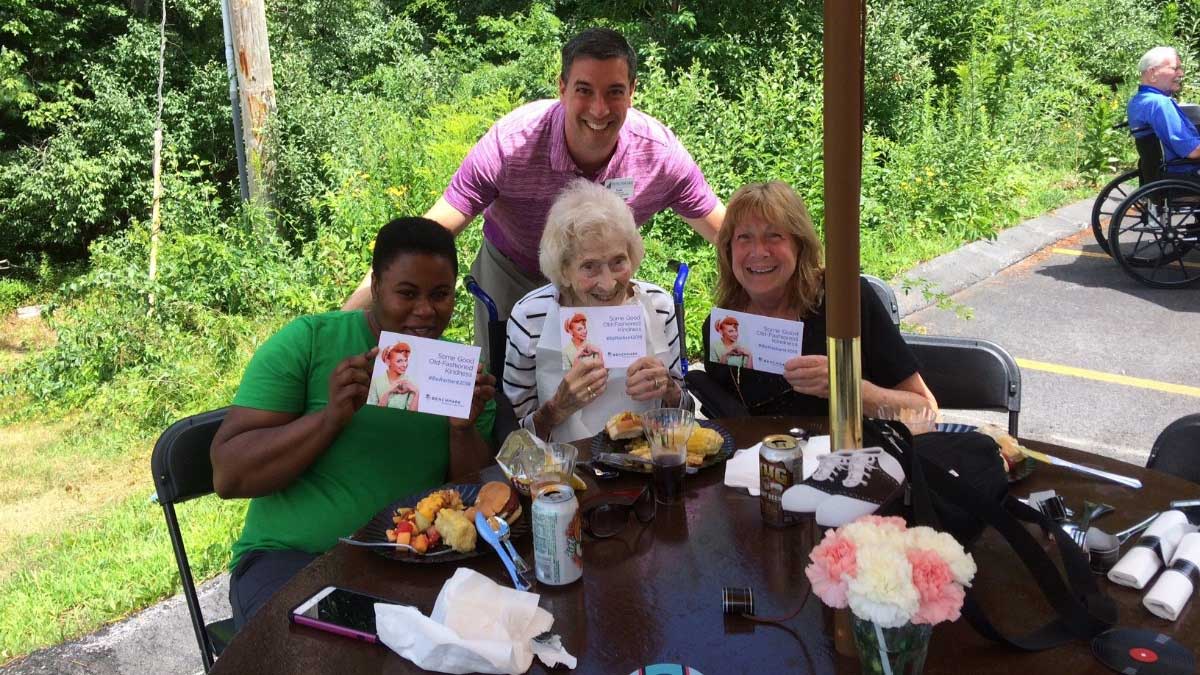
(971, 106)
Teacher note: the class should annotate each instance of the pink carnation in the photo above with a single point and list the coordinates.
(941, 597)
(894, 522)
(833, 564)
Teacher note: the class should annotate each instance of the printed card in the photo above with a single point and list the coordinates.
(422, 375)
(615, 335)
(753, 341)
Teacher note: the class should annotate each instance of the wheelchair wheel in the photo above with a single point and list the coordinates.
(1107, 202)
(1154, 234)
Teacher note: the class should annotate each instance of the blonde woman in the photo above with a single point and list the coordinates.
(590, 252)
(769, 261)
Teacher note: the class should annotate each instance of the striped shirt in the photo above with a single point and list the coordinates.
(533, 370)
(514, 173)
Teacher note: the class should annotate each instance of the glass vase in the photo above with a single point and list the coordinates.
(891, 651)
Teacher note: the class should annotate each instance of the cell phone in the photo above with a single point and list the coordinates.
(340, 611)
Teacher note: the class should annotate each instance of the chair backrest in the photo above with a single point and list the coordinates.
(969, 374)
(1150, 154)
(181, 465)
(182, 470)
(886, 295)
(1177, 449)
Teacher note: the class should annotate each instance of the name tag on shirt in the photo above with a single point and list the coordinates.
(622, 186)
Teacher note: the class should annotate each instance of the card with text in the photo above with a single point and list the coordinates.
(753, 341)
(422, 375)
(614, 335)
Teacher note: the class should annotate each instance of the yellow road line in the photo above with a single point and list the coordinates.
(1086, 254)
(1165, 387)
(1093, 254)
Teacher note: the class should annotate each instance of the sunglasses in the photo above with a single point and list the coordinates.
(606, 515)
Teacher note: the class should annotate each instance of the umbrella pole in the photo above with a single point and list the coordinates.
(844, 45)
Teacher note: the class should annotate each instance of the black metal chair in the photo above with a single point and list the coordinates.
(1177, 449)
(182, 471)
(969, 374)
(887, 295)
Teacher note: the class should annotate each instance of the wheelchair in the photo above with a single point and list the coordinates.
(1153, 226)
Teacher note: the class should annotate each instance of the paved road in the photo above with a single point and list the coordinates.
(1050, 309)
(1073, 319)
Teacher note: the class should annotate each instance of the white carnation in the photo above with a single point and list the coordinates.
(883, 591)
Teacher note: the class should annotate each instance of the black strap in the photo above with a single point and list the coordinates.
(1154, 544)
(1082, 610)
(1188, 569)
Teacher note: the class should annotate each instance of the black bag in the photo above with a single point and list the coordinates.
(956, 487)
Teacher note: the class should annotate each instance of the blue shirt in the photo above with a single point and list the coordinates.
(1179, 137)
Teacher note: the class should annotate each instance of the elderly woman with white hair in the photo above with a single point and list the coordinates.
(590, 251)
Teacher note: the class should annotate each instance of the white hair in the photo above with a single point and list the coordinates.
(583, 214)
(1156, 57)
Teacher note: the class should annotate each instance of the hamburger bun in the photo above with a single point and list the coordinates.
(624, 425)
(498, 499)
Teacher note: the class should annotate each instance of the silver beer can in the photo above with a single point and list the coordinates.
(779, 468)
(557, 536)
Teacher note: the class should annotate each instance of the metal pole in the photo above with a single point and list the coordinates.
(231, 70)
(843, 92)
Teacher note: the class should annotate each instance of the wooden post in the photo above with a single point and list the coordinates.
(844, 45)
(256, 86)
(156, 167)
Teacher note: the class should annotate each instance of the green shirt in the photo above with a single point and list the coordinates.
(381, 455)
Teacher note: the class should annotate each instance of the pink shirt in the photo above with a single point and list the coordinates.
(521, 164)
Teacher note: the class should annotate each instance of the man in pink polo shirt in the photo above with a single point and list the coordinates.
(514, 173)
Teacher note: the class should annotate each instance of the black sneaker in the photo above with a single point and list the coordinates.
(831, 471)
(872, 478)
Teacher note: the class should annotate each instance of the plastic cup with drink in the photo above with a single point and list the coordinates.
(551, 465)
(667, 431)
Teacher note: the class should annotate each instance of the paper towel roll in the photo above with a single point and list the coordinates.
(1175, 585)
(1139, 564)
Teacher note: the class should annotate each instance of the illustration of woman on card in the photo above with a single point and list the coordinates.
(727, 350)
(395, 390)
(577, 347)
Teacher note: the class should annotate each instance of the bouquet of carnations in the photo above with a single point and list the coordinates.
(891, 574)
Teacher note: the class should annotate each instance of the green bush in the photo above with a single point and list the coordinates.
(970, 106)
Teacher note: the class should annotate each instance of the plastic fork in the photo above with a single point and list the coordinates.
(523, 569)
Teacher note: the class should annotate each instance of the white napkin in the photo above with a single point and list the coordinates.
(817, 446)
(477, 626)
(741, 470)
(1139, 564)
(1173, 588)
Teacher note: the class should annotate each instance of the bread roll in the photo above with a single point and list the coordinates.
(624, 425)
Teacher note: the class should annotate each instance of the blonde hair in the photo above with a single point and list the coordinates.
(583, 213)
(778, 204)
(728, 320)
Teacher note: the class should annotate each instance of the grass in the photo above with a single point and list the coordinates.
(81, 545)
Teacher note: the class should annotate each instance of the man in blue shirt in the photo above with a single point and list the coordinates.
(1152, 105)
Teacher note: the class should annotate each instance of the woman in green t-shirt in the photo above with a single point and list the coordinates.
(299, 441)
